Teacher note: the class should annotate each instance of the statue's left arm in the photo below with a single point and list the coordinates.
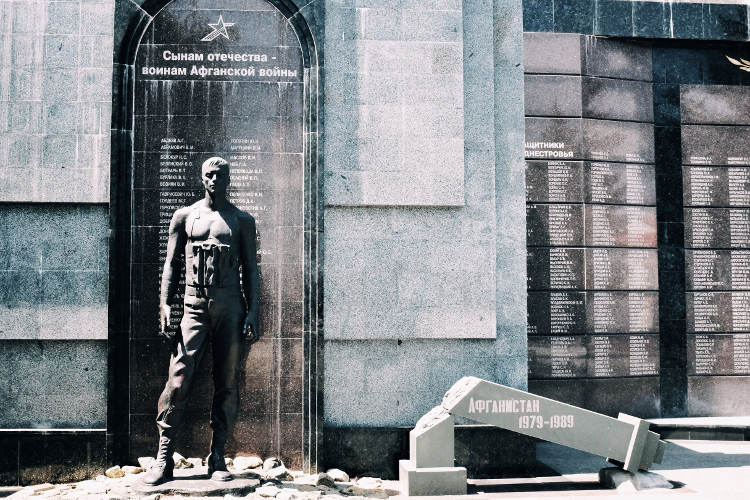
(250, 276)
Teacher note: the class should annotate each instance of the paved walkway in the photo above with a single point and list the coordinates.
(706, 470)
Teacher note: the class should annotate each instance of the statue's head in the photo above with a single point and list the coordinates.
(215, 176)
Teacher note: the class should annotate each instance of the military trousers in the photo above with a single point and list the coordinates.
(210, 315)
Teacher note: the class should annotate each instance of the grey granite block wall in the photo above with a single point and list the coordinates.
(55, 100)
(393, 107)
(51, 384)
(53, 271)
(416, 298)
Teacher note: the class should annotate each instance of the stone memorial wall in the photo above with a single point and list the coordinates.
(716, 196)
(223, 82)
(593, 333)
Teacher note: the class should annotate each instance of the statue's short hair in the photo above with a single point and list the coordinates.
(215, 161)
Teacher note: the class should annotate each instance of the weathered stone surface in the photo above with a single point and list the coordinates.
(271, 463)
(197, 462)
(194, 482)
(338, 475)
(268, 490)
(181, 462)
(132, 469)
(242, 462)
(421, 481)
(115, 472)
(616, 478)
(324, 479)
(279, 473)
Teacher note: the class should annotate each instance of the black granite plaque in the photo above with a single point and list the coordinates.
(613, 99)
(621, 269)
(554, 181)
(552, 95)
(618, 141)
(715, 104)
(592, 312)
(715, 145)
(555, 268)
(719, 354)
(557, 53)
(622, 355)
(580, 356)
(716, 312)
(558, 356)
(717, 269)
(224, 82)
(717, 228)
(553, 139)
(618, 183)
(714, 396)
(622, 312)
(616, 59)
(556, 313)
(554, 224)
(620, 225)
(638, 396)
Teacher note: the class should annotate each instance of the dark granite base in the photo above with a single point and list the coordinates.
(54, 456)
(195, 483)
(485, 451)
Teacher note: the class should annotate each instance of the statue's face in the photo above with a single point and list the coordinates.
(215, 180)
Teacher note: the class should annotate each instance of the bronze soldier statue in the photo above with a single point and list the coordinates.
(217, 240)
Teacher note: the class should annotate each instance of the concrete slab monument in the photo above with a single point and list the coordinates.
(625, 441)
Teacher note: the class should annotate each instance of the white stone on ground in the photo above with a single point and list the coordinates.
(624, 481)
(197, 462)
(280, 473)
(114, 472)
(181, 462)
(244, 463)
(268, 490)
(271, 463)
(338, 475)
(132, 469)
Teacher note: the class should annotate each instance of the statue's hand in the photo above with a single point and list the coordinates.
(164, 316)
(250, 330)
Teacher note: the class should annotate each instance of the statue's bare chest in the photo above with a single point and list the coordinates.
(212, 226)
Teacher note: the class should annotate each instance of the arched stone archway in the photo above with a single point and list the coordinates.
(193, 79)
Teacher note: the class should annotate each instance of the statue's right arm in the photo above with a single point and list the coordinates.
(171, 274)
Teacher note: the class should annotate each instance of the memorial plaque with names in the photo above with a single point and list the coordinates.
(717, 269)
(620, 226)
(621, 269)
(225, 82)
(555, 268)
(716, 312)
(593, 300)
(717, 228)
(591, 312)
(715, 145)
(719, 354)
(716, 186)
(618, 183)
(608, 140)
(554, 224)
(554, 181)
(581, 356)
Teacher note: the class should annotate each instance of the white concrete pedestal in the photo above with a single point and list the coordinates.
(421, 481)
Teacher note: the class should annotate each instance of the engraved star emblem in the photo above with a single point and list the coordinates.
(219, 29)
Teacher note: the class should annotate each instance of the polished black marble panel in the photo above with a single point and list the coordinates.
(554, 181)
(617, 183)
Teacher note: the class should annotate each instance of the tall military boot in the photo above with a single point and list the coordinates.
(162, 469)
(217, 467)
